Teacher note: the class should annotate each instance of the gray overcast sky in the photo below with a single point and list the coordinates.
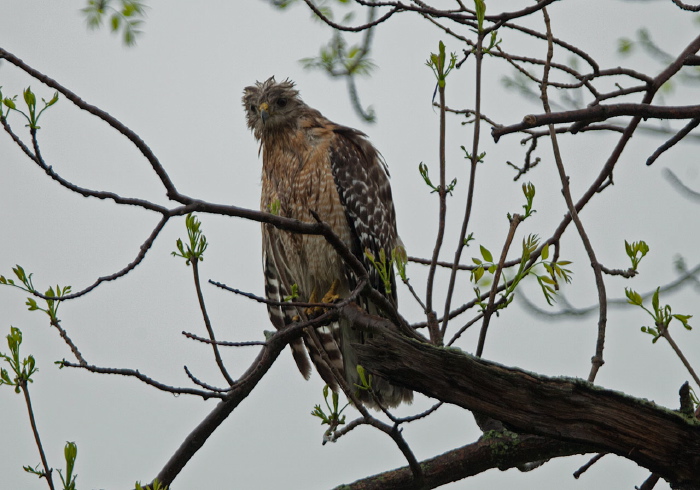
(180, 89)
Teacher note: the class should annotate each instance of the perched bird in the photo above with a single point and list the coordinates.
(311, 164)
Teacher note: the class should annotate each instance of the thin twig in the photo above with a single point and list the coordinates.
(474, 161)
(204, 385)
(459, 332)
(392, 432)
(64, 335)
(223, 343)
(490, 308)
(678, 183)
(586, 466)
(433, 328)
(35, 431)
(650, 482)
(597, 360)
(142, 377)
(665, 334)
(207, 323)
(112, 121)
(685, 6)
(415, 295)
(675, 139)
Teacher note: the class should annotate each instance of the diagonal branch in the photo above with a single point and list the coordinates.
(239, 392)
(96, 111)
(499, 450)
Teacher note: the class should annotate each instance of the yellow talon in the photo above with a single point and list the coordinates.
(330, 297)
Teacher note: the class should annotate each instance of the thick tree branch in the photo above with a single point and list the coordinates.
(564, 409)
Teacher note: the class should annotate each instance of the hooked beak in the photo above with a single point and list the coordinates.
(264, 114)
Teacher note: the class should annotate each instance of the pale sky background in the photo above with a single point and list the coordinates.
(180, 90)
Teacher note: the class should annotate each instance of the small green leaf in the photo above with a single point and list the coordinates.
(624, 45)
(684, 320)
(29, 97)
(53, 100)
(655, 300)
(633, 297)
(486, 254)
(548, 280)
(480, 7)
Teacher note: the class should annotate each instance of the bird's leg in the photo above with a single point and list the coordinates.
(331, 296)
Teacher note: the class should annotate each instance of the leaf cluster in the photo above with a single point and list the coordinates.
(479, 158)
(334, 417)
(423, 169)
(661, 314)
(384, 265)
(336, 59)
(32, 116)
(21, 369)
(439, 64)
(53, 295)
(549, 281)
(197, 242)
(129, 16)
(636, 251)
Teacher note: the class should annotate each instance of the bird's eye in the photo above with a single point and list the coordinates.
(281, 102)
(253, 109)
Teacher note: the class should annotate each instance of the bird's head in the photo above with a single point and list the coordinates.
(271, 106)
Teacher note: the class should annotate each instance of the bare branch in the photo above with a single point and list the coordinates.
(675, 139)
(472, 183)
(224, 343)
(685, 6)
(207, 322)
(47, 470)
(600, 113)
(135, 373)
(597, 360)
(112, 121)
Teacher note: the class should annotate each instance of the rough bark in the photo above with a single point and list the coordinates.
(495, 450)
(565, 409)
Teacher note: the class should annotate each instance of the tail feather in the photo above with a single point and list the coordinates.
(301, 358)
(327, 337)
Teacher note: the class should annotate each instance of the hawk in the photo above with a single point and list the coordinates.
(311, 164)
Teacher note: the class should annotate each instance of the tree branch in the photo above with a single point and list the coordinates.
(600, 113)
(564, 409)
(498, 450)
